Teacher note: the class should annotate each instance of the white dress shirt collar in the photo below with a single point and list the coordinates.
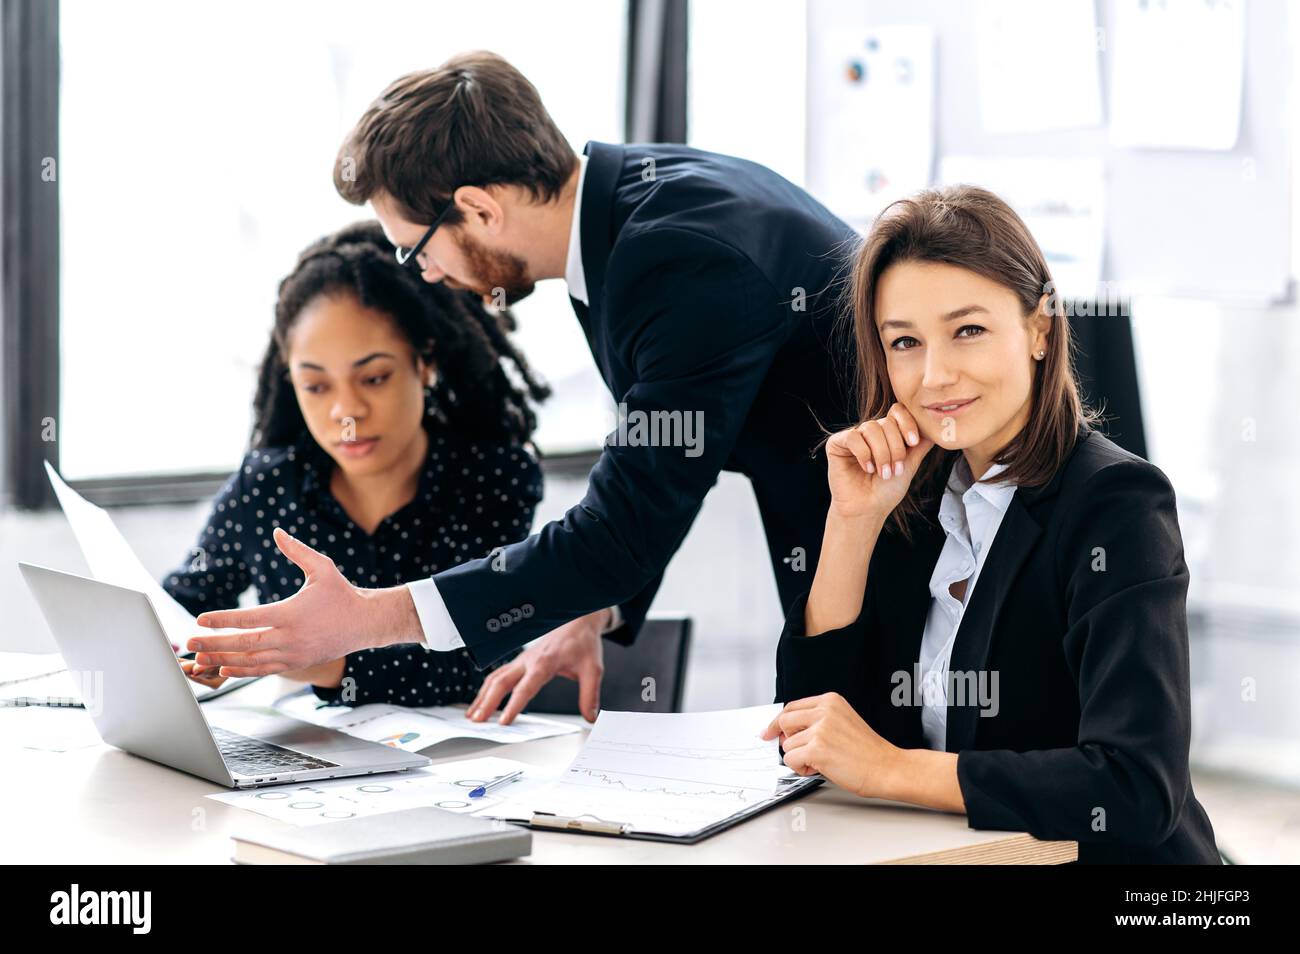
(574, 276)
(961, 485)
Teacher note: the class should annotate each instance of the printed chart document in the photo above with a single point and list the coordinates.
(679, 775)
(411, 728)
(446, 785)
(870, 117)
(1062, 201)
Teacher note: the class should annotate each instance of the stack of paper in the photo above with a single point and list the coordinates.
(672, 774)
(446, 785)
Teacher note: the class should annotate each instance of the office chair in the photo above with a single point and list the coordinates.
(1106, 365)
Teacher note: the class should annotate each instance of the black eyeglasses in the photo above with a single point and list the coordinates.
(405, 256)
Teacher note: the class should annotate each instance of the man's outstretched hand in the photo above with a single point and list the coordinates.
(573, 650)
(325, 620)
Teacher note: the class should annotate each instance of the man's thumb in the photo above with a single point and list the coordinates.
(303, 556)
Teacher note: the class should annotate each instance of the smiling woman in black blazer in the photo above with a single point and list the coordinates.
(998, 624)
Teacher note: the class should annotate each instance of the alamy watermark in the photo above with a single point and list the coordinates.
(956, 687)
(640, 428)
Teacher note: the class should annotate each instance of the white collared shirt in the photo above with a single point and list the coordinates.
(440, 632)
(970, 514)
(574, 275)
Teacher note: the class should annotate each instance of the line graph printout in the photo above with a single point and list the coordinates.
(666, 773)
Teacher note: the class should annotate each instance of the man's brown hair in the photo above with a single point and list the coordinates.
(970, 228)
(474, 120)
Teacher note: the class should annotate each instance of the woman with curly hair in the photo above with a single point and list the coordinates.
(389, 435)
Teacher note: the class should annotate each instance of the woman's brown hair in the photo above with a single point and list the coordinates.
(970, 228)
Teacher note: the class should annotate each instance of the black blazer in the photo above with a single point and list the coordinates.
(1080, 612)
(713, 287)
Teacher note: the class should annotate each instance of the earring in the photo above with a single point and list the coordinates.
(1040, 355)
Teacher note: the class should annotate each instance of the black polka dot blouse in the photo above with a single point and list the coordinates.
(471, 499)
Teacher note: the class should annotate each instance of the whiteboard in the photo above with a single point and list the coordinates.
(1209, 225)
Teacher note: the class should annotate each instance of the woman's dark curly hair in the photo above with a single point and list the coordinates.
(473, 393)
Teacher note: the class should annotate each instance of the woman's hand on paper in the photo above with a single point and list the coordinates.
(824, 734)
(870, 466)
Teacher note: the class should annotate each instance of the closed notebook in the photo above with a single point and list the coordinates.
(413, 836)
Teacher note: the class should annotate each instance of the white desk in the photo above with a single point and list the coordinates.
(102, 806)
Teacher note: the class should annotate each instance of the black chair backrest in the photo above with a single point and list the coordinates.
(659, 654)
(1105, 364)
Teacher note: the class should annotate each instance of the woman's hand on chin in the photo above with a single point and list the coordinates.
(824, 734)
(871, 465)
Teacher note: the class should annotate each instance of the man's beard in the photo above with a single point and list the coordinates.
(499, 278)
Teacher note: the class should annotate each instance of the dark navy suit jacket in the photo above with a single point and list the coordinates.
(714, 288)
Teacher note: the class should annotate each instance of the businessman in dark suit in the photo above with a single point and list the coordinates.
(707, 289)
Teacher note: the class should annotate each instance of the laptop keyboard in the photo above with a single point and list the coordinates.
(254, 757)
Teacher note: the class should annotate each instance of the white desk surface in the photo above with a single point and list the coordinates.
(100, 805)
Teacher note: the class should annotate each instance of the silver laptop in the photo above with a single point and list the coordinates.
(141, 701)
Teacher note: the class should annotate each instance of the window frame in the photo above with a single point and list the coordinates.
(30, 275)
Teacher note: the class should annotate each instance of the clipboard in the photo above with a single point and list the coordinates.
(590, 825)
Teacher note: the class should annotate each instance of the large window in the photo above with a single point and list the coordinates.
(197, 149)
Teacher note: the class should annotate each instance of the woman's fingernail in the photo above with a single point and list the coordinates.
(912, 438)
(898, 468)
(871, 468)
(885, 472)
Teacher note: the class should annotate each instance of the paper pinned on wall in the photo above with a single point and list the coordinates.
(870, 118)
(1177, 72)
(1037, 65)
(1062, 201)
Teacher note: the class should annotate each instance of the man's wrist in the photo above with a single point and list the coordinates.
(613, 620)
(395, 621)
